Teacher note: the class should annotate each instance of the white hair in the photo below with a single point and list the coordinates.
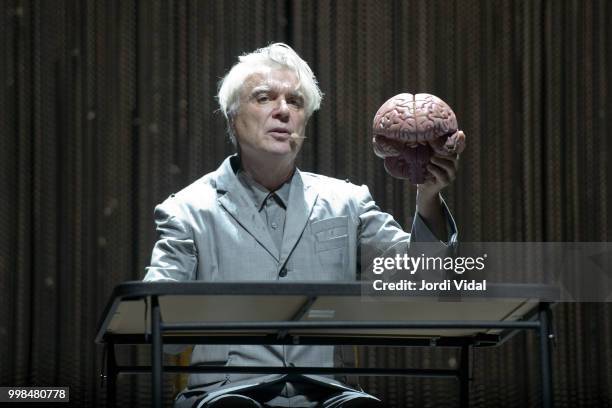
(274, 56)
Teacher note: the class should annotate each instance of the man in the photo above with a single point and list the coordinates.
(257, 217)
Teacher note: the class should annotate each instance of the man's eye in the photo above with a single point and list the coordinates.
(296, 102)
(262, 99)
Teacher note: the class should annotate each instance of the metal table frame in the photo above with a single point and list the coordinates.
(539, 320)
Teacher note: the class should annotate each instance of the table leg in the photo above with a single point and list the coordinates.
(111, 376)
(545, 358)
(464, 377)
(156, 353)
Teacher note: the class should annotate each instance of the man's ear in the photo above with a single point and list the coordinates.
(231, 128)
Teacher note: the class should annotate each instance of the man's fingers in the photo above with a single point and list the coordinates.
(448, 164)
(440, 174)
(442, 168)
(460, 142)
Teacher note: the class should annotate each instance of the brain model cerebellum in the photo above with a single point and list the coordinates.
(408, 129)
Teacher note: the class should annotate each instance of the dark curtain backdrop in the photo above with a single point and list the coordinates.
(107, 107)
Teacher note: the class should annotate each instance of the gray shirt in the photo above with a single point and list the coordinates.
(272, 205)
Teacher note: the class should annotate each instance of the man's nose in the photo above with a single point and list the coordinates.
(282, 110)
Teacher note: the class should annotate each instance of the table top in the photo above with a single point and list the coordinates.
(126, 317)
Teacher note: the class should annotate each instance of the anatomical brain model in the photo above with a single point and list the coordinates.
(409, 128)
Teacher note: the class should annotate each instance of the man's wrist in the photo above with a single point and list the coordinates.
(429, 207)
(426, 200)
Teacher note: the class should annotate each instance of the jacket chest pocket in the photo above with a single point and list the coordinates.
(331, 240)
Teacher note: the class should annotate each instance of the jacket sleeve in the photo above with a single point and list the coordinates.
(174, 255)
(422, 233)
(380, 234)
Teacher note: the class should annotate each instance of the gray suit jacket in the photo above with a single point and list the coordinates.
(211, 231)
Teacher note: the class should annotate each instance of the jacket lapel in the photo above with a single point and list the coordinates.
(302, 198)
(232, 196)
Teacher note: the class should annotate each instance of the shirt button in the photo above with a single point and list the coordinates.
(283, 273)
(274, 225)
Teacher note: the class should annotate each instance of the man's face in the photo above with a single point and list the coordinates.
(271, 110)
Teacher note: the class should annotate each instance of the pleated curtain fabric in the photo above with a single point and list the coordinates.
(107, 107)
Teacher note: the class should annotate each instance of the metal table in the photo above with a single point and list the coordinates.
(317, 313)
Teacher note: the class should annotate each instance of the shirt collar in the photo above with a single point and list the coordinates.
(259, 194)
